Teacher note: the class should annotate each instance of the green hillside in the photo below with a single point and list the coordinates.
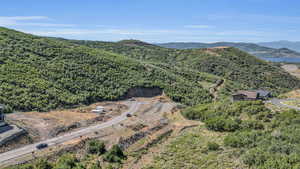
(230, 63)
(41, 74)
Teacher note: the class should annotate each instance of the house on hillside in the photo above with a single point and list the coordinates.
(251, 95)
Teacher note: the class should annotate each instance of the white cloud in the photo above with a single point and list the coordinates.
(198, 26)
(46, 24)
(22, 21)
(62, 32)
(22, 18)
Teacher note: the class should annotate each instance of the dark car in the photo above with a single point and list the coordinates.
(128, 115)
(41, 146)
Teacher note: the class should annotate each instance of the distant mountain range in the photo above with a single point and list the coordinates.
(282, 44)
(254, 49)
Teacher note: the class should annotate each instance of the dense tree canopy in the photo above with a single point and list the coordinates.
(38, 73)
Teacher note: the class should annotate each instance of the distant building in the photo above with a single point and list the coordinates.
(251, 95)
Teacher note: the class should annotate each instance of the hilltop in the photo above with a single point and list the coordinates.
(254, 49)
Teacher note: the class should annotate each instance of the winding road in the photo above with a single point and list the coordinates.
(11, 156)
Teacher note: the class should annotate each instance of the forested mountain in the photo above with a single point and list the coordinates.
(254, 49)
(230, 63)
(39, 73)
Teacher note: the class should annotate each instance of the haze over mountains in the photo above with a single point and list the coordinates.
(282, 44)
(252, 48)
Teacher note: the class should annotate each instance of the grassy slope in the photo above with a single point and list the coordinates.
(231, 63)
(43, 73)
(249, 135)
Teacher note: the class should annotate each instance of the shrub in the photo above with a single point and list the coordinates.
(42, 164)
(67, 161)
(96, 147)
(255, 157)
(222, 124)
(200, 112)
(7, 109)
(252, 124)
(243, 139)
(216, 124)
(212, 146)
(115, 154)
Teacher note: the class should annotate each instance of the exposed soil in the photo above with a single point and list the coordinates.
(45, 125)
(292, 94)
(16, 143)
(143, 152)
(156, 119)
(292, 69)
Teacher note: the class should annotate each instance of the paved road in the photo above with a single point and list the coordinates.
(278, 102)
(12, 155)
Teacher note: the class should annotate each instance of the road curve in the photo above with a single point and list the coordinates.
(17, 153)
(278, 102)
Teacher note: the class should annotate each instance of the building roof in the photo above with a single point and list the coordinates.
(249, 94)
(262, 93)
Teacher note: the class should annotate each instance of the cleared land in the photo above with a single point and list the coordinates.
(44, 125)
(149, 118)
(292, 69)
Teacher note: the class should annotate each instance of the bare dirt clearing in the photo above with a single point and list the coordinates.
(43, 125)
(292, 69)
(292, 94)
(150, 120)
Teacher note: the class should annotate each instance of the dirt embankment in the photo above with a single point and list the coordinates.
(143, 92)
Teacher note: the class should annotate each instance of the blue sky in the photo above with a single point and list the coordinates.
(156, 20)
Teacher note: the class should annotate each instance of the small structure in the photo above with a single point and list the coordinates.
(99, 109)
(251, 95)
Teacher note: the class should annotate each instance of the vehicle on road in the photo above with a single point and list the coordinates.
(132, 99)
(42, 146)
(128, 115)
